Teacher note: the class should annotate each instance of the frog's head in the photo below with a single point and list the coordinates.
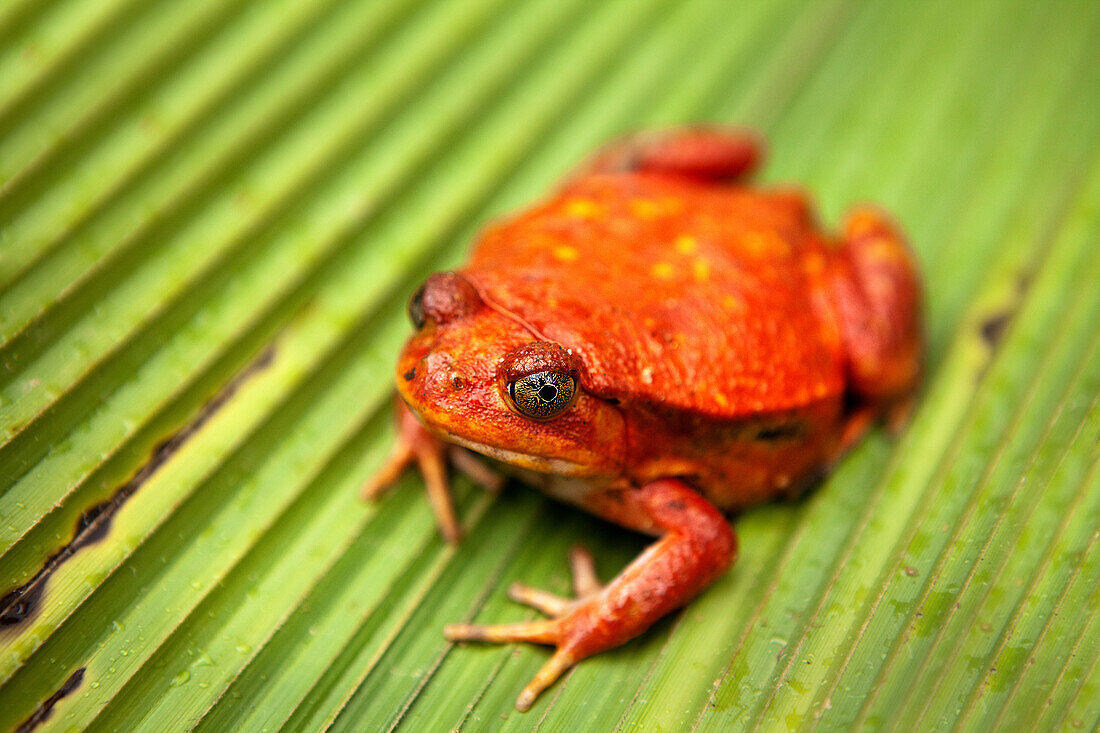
(477, 376)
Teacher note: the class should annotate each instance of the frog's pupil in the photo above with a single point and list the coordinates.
(542, 395)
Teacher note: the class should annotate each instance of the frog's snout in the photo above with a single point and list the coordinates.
(442, 375)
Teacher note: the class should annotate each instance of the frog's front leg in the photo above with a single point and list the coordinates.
(414, 444)
(696, 545)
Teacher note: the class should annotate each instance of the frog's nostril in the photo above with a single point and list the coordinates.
(441, 375)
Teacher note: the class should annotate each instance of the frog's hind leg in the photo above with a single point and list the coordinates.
(695, 547)
(876, 292)
(711, 153)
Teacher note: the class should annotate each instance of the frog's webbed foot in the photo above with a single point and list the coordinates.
(586, 584)
(697, 545)
(416, 445)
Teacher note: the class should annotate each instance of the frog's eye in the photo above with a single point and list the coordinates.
(444, 297)
(416, 307)
(539, 379)
(542, 395)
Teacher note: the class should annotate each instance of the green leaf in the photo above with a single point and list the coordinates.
(211, 215)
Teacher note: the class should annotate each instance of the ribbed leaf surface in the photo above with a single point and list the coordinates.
(211, 214)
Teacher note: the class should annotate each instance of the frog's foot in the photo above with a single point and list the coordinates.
(586, 584)
(711, 153)
(416, 445)
(697, 545)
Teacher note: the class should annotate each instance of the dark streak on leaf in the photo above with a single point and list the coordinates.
(1023, 282)
(993, 328)
(20, 603)
(42, 714)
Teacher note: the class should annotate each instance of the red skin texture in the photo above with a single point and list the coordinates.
(726, 351)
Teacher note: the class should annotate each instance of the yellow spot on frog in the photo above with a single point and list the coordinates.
(583, 209)
(653, 208)
(764, 244)
(700, 269)
(886, 250)
(732, 303)
(662, 270)
(565, 253)
(686, 244)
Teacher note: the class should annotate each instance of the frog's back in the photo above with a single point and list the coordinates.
(696, 297)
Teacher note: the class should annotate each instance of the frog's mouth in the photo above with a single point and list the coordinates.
(522, 460)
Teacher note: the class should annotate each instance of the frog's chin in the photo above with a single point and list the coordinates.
(541, 464)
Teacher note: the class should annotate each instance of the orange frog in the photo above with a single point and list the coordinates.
(657, 343)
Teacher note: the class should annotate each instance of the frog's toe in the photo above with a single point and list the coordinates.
(554, 668)
(475, 469)
(550, 604)
(585, 581)
(585, 585)
(538, 632)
